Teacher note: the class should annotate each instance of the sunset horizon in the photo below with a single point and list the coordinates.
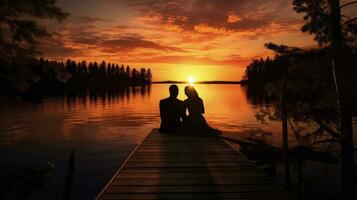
(206, 39)
(178, 99)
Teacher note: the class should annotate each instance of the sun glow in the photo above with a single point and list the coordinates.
(191, 80)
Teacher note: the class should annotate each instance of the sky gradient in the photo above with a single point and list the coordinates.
(177, 39)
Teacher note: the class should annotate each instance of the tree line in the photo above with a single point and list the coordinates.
(308, 74)
(261, 71)
(21, 70)
(315, 88)
(31, 74)
(106, 73)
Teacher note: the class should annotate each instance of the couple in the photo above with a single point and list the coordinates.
(173, 112)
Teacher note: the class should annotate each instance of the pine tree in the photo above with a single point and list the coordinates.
(24, 32)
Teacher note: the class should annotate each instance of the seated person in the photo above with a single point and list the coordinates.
(172, 111)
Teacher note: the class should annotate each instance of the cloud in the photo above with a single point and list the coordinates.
(236, 15)
(128, 43)
(89, 19)
(112, 39)
(119, 43)
(176, 31)
(55, 48)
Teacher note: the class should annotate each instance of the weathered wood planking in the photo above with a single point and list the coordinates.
(187, 166)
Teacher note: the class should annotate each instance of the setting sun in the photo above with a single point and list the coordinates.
(191, 80)
(205, 90)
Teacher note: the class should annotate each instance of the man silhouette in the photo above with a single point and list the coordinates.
(172, 111)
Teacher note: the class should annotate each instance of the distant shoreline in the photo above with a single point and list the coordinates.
(199, 82)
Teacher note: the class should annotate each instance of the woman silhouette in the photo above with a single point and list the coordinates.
(195, 107)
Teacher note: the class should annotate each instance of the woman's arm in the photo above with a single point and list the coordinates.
(183, 111)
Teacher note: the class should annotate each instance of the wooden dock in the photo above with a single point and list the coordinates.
(174, 166)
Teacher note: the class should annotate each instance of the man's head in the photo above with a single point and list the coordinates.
(173, 91)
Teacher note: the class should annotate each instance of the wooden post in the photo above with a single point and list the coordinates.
(301, 181)
(69, 177)
(284, 120)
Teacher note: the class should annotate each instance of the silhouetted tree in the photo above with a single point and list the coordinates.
(90, 70)
(84, 68)
(95, 70)
(323, 19)
(112, 71)
(102, 70)
(23, 32)
(106, 75)
(149, 76)
(134, 75)
(142, 75)
(260, 72)
(44, 75)
(109, 72)
(117, 72)
(122, 73)
(309, 88)
(127, 72)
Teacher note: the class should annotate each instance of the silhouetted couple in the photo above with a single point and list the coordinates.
(173, 112)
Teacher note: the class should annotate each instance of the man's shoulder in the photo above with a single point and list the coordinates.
(164, 100)
(172, 100)
(178, 101)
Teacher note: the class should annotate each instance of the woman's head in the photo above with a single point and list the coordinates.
(191, 92)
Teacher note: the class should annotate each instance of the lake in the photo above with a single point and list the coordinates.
(104, 127)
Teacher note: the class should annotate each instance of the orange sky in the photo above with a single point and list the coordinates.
(177, 39)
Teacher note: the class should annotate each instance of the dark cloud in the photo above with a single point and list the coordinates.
(119, 43)
(86, 37)
(111, 40)
(248, 14)
(130, 43)
(89, 19)
(54, 47)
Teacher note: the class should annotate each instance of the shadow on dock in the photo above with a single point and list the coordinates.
(189, 166)
(187, 161)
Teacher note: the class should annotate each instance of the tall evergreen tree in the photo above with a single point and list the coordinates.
(127, 73)
(21, 32)
(142, 75)
(149, 75)
(323, 19)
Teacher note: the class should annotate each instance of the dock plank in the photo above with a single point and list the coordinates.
(184, 196)
(189, 166)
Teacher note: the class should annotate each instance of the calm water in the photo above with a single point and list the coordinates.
(104, 128)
